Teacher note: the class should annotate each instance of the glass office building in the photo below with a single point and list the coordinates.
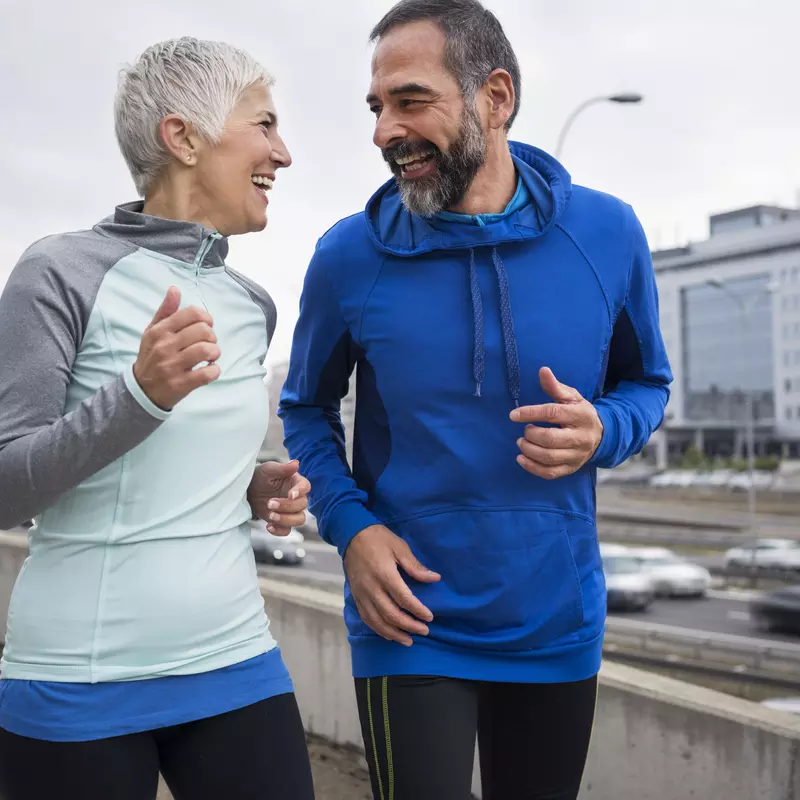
(724, 359)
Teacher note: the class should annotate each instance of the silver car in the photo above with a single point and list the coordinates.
(628, 586)
(269, 549)
(672, 575)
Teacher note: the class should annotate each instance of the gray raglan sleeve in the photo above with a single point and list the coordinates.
(261, 297)
(44, 452)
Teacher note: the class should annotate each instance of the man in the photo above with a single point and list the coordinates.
(504, 327)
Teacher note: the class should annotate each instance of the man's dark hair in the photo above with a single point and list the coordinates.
(475, 42)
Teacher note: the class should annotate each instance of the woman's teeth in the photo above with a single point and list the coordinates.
(262, 182)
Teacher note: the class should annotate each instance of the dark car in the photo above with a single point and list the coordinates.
(269, 549)
(778, 610)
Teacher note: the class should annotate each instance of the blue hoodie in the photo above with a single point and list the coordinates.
(448, 325)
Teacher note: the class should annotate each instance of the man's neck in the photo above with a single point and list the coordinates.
(494, 185)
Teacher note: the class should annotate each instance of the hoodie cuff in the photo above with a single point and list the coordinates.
(141, 398)
(604, 455)
(345, 522)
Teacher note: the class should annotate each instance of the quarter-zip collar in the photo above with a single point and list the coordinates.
(189, 242)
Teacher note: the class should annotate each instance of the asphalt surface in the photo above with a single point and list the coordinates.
(719, 613)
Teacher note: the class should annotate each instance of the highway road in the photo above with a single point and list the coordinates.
(722, 612)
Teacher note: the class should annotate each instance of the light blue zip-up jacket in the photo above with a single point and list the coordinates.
(140, 559)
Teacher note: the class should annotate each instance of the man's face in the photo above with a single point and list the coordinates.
(433, 141)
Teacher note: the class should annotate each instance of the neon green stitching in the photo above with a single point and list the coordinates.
(390, 767)
(374, 743)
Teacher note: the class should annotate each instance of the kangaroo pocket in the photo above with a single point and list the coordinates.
(511, 580)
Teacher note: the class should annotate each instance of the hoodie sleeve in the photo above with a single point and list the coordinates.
(636, 388)
(43, 451)
(322, 361)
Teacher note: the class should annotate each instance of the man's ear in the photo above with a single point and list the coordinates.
(500, 94)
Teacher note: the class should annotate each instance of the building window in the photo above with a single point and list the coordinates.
(788, 413)
(724, 365)
(787, 385)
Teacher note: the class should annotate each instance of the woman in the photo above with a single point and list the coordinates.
(132, 408)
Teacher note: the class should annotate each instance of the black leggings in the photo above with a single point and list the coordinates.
(256, 753)
(420, 732)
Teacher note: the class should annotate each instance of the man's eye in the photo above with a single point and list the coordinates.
(375, 110)
(407, 103)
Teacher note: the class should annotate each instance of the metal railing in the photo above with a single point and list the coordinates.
(746, 658)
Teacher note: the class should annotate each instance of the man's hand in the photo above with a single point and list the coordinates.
(382, 596)
(556, 452)
(173, 344)
(278, 494)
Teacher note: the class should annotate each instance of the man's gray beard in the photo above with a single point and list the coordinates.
(457, 168)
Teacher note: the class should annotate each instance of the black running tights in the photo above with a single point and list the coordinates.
(255, 753)
(420, 735)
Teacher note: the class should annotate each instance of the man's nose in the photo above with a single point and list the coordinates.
(388, 130)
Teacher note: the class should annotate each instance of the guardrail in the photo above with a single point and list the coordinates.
(667, 534)
(756, 660)
(756, 574)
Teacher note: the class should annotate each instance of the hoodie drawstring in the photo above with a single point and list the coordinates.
(507, 322)
(478, 353)
(509, 337)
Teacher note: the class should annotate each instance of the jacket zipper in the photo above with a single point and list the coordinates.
(205, 247)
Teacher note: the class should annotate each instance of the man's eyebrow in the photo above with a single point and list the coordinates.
(406, 88)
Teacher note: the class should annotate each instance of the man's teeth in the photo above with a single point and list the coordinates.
(402, 161)
(260, 180)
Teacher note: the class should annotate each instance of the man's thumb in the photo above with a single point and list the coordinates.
(413, 568)
(169, 305)
(556, 390)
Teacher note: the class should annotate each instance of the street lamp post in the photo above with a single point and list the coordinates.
(626, 98)
(746, 311)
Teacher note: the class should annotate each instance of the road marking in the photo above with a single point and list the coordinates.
(742, 616)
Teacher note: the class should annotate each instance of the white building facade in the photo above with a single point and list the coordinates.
(730, 317)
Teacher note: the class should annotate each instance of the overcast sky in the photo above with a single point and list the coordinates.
(719, 129)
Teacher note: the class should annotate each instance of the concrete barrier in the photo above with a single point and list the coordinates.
(655, 738)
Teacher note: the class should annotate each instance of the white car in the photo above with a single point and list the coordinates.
(766, 554)
(610, 549)
(672, 575)
(628, 586)
(667, 478)
(742, 482)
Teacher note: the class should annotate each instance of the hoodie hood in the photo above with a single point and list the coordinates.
(395, 230)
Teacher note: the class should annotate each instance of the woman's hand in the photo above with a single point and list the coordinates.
(278, 494)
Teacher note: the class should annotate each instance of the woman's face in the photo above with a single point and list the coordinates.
(232, 178)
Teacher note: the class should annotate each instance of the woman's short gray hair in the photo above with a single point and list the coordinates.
(201, 81)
